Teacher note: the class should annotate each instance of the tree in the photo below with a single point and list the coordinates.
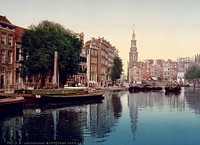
(193, 74)
(116, 69)
(38, 46)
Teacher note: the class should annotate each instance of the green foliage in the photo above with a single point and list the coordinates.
(193, 73)
(42, 92)
(116, 69)
(38, 46)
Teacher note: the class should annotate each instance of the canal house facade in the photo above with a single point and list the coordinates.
(100, 59)
(10, 54)
(7, 51)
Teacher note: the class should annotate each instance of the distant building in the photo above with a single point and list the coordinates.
(133, 54)
(81, 77)
(197, 59)
(135, 75)
(183, 64)
(135, 72)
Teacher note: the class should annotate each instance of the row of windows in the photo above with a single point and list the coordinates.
(2, 71)
(6, 40)
(3, 56)
(103, 71)
(82, 69)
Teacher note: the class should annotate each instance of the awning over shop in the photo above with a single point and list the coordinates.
(154, 78)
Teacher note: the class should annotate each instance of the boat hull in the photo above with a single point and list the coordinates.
(11, 102)
(172, 88)
(71, 97)
(134, 89)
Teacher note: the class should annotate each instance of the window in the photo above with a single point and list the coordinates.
(3, 38)
(3, 56)
(93, 68)
(31, 79)
(93, 60)
(10, 57)
(17, 75)
(10, 40)
(50, 79)
(2, 71)
(17, 54)
(9, 76)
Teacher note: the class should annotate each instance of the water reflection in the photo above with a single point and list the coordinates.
(161, 103)
(193, 99)
(72, 124)
(148, 118)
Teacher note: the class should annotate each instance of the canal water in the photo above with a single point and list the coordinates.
(123, 118)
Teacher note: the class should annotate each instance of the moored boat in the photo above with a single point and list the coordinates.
(85, 95)
(144, 88)
(11, 102)
(172, 88)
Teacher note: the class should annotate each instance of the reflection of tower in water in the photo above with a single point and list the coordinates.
(136, 101)
(133, 112)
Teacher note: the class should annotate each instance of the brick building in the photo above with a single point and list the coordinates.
(10, 45)
(100, 57)
(7, 51)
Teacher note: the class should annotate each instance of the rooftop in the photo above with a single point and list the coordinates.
(4, 19)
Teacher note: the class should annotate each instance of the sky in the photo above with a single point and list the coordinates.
(165, 29)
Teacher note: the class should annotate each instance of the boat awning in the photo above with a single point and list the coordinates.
(154, 78)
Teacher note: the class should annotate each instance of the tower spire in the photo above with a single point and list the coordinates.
(133, 54)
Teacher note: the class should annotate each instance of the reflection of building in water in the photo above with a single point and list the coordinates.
(192, 97)
(156, 100)
(11, 131)
(101, 118)
(175, 101)
(62, 124)
(57, 125)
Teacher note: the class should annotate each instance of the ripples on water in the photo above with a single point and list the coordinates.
(152, 118)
